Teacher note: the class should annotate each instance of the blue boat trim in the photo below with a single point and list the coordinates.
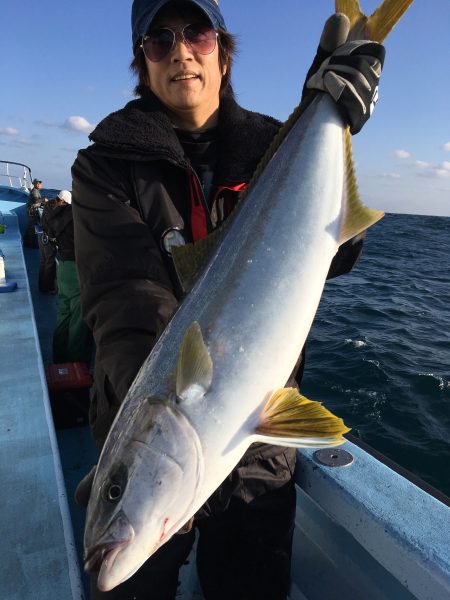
(416, 481)
(39, 558)
(8, 287)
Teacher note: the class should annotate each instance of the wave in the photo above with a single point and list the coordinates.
(379, 350)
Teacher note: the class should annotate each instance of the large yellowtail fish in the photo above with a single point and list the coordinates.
(213, 383)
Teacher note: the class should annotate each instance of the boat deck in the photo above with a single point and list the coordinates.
(363, 531)
(36, 528)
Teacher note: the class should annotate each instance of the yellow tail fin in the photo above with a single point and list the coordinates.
(376, 27)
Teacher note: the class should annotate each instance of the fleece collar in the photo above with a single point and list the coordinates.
(142, 131)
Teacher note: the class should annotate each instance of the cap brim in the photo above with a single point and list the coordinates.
(215, 17)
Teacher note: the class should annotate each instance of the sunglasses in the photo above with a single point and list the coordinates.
(200, 37)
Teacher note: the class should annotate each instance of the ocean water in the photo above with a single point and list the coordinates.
(378, 354)
(49, 193)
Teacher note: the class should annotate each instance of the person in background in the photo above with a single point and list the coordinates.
(71, 337)
(47, 252)
(36, 238)
(35, 200)
(171, 166)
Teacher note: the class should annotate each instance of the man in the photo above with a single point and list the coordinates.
(171, 166)
(71, 337)
(36, 238)
(35, 200)
(47, 283)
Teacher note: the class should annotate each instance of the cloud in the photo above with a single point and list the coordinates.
(446, 147)
(25, 142)
(441, 173)
(8, 131)
(421, 168)
(17, 142)
(78, 124)
(425, 169)
(75, 124)
(435, 173)
(45, 123)
(421, 164)
(402, 154)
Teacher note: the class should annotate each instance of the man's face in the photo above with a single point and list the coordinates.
(187, 82)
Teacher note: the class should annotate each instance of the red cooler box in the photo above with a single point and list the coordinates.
(68, 388)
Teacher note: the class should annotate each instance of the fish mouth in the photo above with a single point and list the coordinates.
(118, 536)
(103, 556)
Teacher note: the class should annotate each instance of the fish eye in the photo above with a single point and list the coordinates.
(114, 492)
(115, 483)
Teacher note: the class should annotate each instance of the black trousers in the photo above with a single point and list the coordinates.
(47, 266)
(30, 237)
(244, 540)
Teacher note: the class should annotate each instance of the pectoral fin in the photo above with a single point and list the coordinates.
(290, 419)
(194, 365)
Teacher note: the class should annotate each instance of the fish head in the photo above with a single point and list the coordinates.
(144, 490)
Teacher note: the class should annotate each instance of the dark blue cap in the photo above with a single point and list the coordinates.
(143, 12)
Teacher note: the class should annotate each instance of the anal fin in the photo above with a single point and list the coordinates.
(356, 217)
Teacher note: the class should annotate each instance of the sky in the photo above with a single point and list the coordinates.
(67, 67)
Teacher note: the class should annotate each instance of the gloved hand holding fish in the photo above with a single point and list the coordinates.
(349, 70)
(213, 384)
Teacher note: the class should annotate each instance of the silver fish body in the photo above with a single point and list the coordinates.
(254, 305)
(213, 383)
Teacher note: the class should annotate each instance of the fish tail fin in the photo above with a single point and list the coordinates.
(351, 9)
(378, 26)
(375, 28)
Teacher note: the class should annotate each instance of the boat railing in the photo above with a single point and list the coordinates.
(16, 175)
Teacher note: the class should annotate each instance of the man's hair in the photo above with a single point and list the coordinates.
(227, 50)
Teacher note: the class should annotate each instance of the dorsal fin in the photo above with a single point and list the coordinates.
(190, 259)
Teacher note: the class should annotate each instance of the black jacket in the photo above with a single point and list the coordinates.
(57, 223)
(129, 188)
